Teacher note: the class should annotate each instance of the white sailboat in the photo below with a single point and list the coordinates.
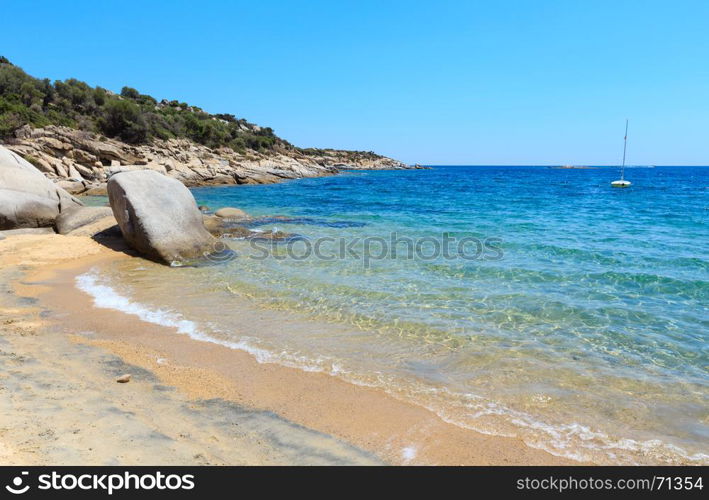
(622, 183)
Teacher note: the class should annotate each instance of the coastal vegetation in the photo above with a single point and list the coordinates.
(128, 116)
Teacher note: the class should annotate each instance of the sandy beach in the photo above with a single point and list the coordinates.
(410, 235)
(188, 402)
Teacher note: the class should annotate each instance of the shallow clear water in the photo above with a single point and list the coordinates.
(581, 327)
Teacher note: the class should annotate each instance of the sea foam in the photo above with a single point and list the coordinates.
(573, 441)
(106, 297)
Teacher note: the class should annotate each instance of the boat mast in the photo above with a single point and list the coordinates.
(625, 146)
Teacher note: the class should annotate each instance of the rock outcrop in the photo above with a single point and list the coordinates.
(82, 162)
(158, 216)
(85, 221)
(27, 198)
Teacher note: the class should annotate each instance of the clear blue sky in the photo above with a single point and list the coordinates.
(468, 82)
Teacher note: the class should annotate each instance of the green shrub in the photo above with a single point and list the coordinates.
(129, 93)
(123, 119)
(133, 117)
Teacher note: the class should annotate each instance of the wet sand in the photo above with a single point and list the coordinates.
(189, 402)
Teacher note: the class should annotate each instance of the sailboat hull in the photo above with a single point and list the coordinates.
(620, 184)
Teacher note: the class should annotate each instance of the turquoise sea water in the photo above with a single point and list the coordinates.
(582, 327)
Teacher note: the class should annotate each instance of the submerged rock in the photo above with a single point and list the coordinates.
(275, 236)
(231, 213)
(158, 216)
(27, 197)
(226, 228)
(221, 227)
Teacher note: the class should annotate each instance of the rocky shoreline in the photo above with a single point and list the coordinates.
(154, 212)
(81, 162)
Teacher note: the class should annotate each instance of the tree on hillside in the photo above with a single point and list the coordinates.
(123, 119)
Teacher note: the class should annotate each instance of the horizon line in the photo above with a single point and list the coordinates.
(574, 167)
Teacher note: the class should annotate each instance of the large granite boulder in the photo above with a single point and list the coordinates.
(27, 197)
(158, 216)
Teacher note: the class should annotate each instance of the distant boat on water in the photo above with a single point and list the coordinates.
(622, 183)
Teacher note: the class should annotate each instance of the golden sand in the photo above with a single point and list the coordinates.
(354, 424)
